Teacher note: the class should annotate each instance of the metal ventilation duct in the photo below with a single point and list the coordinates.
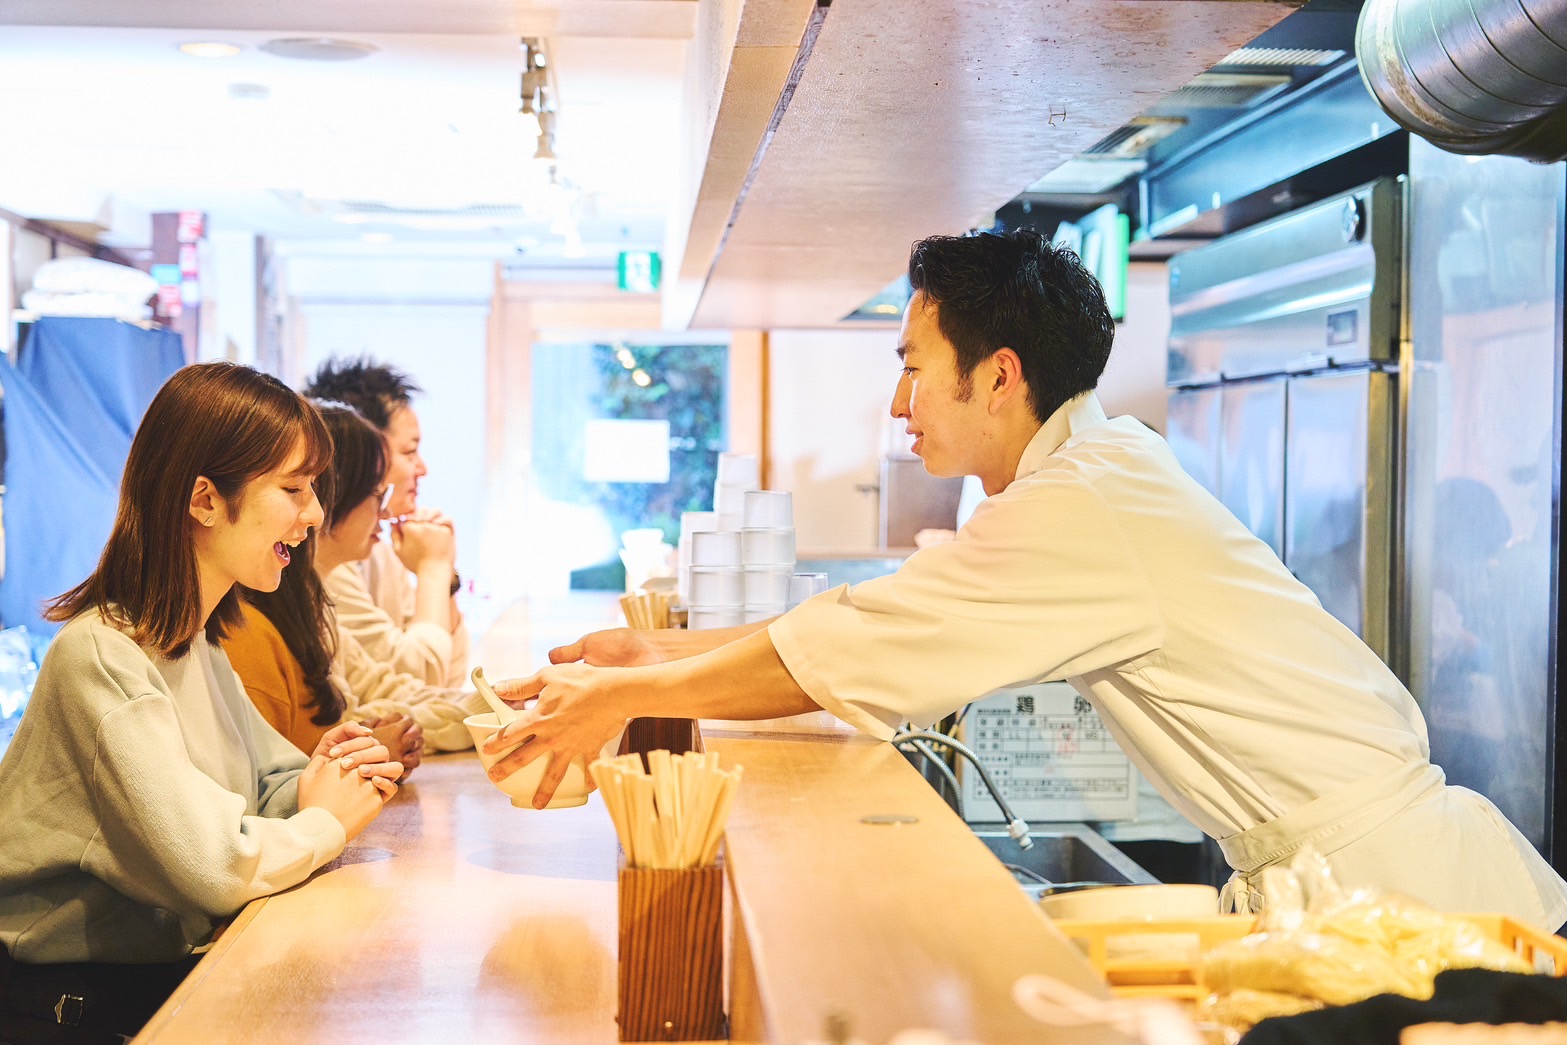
(1471, 76)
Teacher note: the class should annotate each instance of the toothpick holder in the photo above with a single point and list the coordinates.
(671, 954)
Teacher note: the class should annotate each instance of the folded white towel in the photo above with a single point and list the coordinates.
(92, 275)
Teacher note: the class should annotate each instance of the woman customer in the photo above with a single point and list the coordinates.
(302, 668)
(144, 799)
(400, 602)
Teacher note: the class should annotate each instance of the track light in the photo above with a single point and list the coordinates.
(536, 100)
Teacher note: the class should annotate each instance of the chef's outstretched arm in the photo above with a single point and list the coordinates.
(581, 707)
(627, 647)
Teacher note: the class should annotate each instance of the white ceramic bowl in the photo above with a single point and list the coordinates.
(573, 790)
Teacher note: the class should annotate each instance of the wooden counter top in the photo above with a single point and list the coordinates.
(890, 926)
(453, 918)
(456, 918)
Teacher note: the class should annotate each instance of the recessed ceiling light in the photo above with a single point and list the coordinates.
(209, 49)
(375, 237)
(318, 48)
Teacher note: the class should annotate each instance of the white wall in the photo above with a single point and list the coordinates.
(228, 305)
(830, 391)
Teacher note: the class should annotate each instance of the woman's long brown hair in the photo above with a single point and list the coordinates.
(220, 420)
(298, 609)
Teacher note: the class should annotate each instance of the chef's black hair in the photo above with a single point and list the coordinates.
(374, 389)
(1015, 290)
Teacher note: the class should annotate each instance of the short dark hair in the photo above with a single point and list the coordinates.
(220, 420)
(375, 390)
(1015, 290)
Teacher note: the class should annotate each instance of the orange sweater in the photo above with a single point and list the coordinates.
(273, 679)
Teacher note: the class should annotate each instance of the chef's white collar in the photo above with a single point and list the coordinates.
(1073, 416)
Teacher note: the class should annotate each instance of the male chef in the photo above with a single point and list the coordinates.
(1094, 559)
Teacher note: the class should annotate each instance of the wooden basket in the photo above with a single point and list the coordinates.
(1177, 977)
(671, 954)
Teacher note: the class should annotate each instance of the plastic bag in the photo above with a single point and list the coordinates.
(1321, 943)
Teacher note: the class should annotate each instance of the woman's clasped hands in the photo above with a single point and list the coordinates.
(350, 775)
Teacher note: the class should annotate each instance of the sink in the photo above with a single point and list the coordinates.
(1064, 856)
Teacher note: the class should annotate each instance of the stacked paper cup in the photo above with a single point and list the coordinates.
(767, 550)
(737, 474)
(717, 581)
(690, 522)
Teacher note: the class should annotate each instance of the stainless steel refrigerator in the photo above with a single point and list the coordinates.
(1373, 384)
(1284, 341)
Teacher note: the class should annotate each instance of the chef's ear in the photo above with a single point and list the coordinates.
(1005, 372)
(205, 501)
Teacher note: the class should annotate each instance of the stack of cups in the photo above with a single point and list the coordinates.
(717, 582)
(737, 474)
(690, 522)
(767, 550)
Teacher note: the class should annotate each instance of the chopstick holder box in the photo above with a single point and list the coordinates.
(671, 954)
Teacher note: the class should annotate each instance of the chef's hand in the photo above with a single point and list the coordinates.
(615, 648)
(574, 715)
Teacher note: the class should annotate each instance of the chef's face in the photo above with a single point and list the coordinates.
(404, 466)
(937, 407)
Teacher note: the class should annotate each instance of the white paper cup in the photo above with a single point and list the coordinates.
(701, 618)
(744, 470)
(767, 547)
(757, 614)
(729, 505)
(690, 522)
(767, 585)
(802, 586)
(715, 548)
(717, 586)
(769, 508)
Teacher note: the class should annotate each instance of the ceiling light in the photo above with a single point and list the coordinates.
(318, 49)
(375, 237)
(209, 49)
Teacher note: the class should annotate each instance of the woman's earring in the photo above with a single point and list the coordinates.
(207, 521)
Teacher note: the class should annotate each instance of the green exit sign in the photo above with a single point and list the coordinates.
(639, 271)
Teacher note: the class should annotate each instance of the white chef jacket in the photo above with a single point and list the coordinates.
(1256, 713)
